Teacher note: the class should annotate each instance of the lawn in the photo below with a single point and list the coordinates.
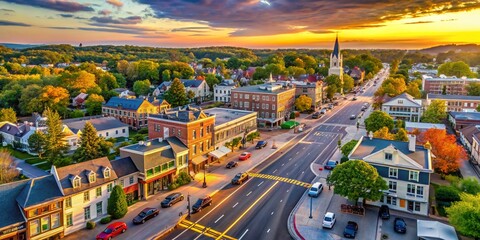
(45, 166)
(17, 154)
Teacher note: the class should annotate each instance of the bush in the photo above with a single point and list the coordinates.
(143, 131)
(348, 147)
(454, 180)
(117, 203)
(106, 220)
(183, 178)
(172, 186)
(292, 115)
(447, 194)
(344, 159)
(91, 225)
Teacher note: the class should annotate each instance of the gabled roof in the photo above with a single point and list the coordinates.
(81, 170)
(181, 114)
(123, 166)
(192, 83)
(406, 96)
(38, 190)
(469, 131)
(100, 124)
(124, 103)
(176, 144)
(452, 97)
(11, 213)
(14, 130)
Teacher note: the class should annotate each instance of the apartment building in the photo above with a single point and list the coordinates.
(133, 112)
(446, 85)
(456, 103)
(313, 90)
(222, 92)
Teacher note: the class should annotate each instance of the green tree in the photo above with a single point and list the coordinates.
(435, 112)
(94, 104)
(458, 69)
(377, 120)
(331, 90)
(473, 89)
(37, 143)
(142, 87)
(348, 83)
(91, 145)
(357, 179)
(348, 147)
(401, 135)
(148, 70)
(117, 203)
(334, 80)
(166, 76)
(414, 90)
(253, 136)
(211, 80)
(108, 82)
(29, 100)
(8, 114)
(190, 95)
(234, 143)
(55, 146)
(303, 103)
(469, 185)
(464, 215)
(176, 95)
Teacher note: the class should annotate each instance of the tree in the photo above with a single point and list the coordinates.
(303, 103)
(54, 98)
(377, 120)
(211, 80)
(166, 76)
(94, 104)
(348, 83)
(469, 185)
(234, 143)
(435, 112)
(29, 100)
(8, 170)
(331, 90)
(37, 143)
(473, 89)
(357, 179)
(91, 145)
(464, 215)
(117, 203)
(334, 80)
(176, 95)
(108, 82)
(142, 87)
(8, 114)
(383, 133)
(348, 147)
(55, 146)
(190, 95)
(393, 86)
(414, 90)
(448, 154)
(458, 69)
(401, 135)
(253, 136)
(148, 70)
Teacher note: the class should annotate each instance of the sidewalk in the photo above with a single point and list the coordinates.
(217, 177)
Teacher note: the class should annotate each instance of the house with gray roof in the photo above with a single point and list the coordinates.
(13, 223)
(127, 174)
(107, 127)
(133, 112)
(404, 107)
(16, 134)
(405, 166)
(199, 87)
(460, 120)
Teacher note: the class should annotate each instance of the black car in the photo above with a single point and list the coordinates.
(335, 103)
(261, 144)
(145, 215)
(316, 115)
(240, 178)
(399, 225)
(354, 98)
(201, 203)
(384, 212)
(350, 230)
(330, 106)
(231, 164)
(172, 199)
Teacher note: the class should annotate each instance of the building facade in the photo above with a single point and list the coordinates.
(107, 127)
(133, 112)
(222, 92)
(460, 120)
(404, 107)
(405, 166)
(199, 87)
(456, 103)
(274, 102)
(446, 85)
(127, 174)
(313, 90)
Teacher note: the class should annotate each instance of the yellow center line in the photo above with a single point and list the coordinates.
(246, 211)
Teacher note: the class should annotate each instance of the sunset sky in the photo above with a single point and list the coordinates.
(406, 24)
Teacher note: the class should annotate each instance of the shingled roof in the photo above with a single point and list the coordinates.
(39, 190)
(11, 213)
(124, 103)
(124, 166)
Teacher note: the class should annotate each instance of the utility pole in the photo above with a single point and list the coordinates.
(311, 202)
(188, 206)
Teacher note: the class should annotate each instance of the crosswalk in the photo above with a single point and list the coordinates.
(206, 231)
(282, 179)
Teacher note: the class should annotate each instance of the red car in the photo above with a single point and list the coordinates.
(244, 156)
(112, 230)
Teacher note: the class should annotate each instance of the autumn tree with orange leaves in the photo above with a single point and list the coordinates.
(448, 154)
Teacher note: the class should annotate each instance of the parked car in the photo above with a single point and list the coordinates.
(145, 214)
(240, 178)
(353, 116)
(335, 103)
(201, 203)
(384, 212)
(350, 230)
(247, 155)
(329, 220)
(399, 225)
(112, 231)
(172, 199)
(354, 98)
(330, 165)
(316, 115)
(231, 164)
(261, 144)
(315, 190)
(330, 106)
(323, 111)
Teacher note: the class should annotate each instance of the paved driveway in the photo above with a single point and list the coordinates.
(386, 227)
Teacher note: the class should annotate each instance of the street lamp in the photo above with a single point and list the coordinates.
(311, 202)
(188, 206)
(204, 175)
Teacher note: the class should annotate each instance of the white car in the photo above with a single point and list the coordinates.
(329, 220)
(315, 190)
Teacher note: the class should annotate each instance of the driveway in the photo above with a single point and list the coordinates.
(29, 170)
(386, 227)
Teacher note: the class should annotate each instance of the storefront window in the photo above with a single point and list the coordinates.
(157, 169)
(171, 164)
(45, 223)
(164, 167)
(149, 172)
(34, 227)
(55, 220)
(33, 213)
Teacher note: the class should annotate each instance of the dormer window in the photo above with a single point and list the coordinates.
(76, 182)
(106, 173)
(92, 177)
(388, 156)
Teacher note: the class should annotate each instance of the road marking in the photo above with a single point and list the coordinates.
(275, 171)
(243, 235)
(271, 213)
(249, 193)
(203, 230)
(219, 218)
(308, 153)
(278, 178)
(247, 210)
(289, 159)
(283, 164)
(297, 152)
(260, 183)
(303, 148)
(235, 205)
(303, 172)
(268, 230)
(281, 200)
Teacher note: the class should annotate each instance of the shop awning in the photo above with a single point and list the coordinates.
(199, 159)
(220, 152)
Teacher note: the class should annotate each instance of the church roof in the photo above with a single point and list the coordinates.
(336, 48)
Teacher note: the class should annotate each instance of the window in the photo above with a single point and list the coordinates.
(388, 156)
(171, 164)
(420, 191)
(417, 206)
(68, 202)
(109, 187)
(273, 107)
(246, 105)
(91, 177)
(149, 172)
(35, 227)
(393, 172)
(99, 191)
(194, 149)
(201, 132)
(86, 196)
(164, 167)
(157, 169)
(413, 175)
(76, 182)
(194, 134)
(267, 106)
(106, 134)
(99, 209)
(69, 219)
(55, 220)
(411, 190)
(391, 200)
(273, 98)
(86, 213)
(106, 172)
(179, 132)
(400, 101)
(392, 186)
(246, 96)
(273, 115)
(131, 180)
(122, 183)
(45, 223)
(235, 95)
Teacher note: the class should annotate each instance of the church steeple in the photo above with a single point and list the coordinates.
(336, 48)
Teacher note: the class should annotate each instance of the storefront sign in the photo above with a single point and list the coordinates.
(13, 229)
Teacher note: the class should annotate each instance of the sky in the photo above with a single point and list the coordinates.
(400, 24)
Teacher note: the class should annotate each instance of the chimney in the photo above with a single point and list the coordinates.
(160, 139)
(370, 135)
(412, 142)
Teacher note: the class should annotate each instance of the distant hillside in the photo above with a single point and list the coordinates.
(19, 46)
(451, 47)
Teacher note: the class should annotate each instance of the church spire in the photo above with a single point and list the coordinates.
(336, 48)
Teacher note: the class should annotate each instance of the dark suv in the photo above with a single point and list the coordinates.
(201, 203)
(384, 212)
(145, 215)
(172, 199)
(350, 230)
(240, 178)
(261, 144)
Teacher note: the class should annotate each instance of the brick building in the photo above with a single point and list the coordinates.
(133, 112)
(452, 85)
(460, 120)
(456, 103)
(192, 126)
(272, 101)
(313, 90)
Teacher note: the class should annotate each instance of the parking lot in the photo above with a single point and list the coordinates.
(386, 227)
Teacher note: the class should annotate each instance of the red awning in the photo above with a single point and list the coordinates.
(130, 189)
(157, 177)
